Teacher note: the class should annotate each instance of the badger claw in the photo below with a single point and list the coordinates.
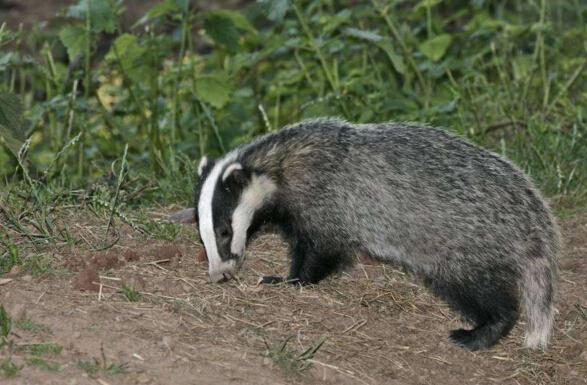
(270, 280)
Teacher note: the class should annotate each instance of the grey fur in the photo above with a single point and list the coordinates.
(464, 218)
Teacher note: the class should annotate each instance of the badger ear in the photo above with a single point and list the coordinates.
(205, 165)
(235, 174)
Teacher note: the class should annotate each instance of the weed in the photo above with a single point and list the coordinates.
(29, 325)
(94, 366)
(130, 293)
(162, 230)
(582, 310)
(38, 264)
(293, 364)
(41, 349)
(5, 326)
(8, 368)
(508, 76)
(44, 364)
(10, 257)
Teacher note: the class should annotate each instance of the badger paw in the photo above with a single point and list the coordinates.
(270, 280)
(471, 340)
(463, 338)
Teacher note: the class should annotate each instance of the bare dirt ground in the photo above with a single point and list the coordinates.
(379, 326)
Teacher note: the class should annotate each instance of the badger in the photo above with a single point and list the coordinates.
(465, 220)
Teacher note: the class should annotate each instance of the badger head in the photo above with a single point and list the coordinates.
(228, 196)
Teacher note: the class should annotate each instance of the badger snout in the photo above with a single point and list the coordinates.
(222, 271)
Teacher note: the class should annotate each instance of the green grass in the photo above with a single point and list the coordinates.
(292, 363)
(41, 349)
(29, 325)
(95, 366)
(109, 133)
(8, 368)
(161, 230)
(38, 264)
(9, 259)
(131, 294)
(44, 364)
(5, 326)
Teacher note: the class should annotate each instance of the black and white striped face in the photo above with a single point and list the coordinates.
(229, 197)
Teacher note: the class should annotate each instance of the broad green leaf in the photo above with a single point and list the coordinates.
(426, 4)
(223, 26)
(330, 23)
(540, 27)
(362, 34)
(396, 60)
(515, 29)
(222, 30)
(130, 55)
(182, 4)
(276, 9)
(10, 141)
(74, 39)
(11, 132)
(5, 59)
(214, 89)
(102, 14)
(163, 8)
(435, 48)
(522, 66)
(237, 18)
(11, 112)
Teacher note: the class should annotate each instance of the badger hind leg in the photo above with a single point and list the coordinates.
(485, 335)
(486, 298)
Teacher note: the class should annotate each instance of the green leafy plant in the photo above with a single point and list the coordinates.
(44, 364)
(94, 366)
(30, 325)
(292, 363)
(130, 293)
(41, 349)
(111, 118)
(5, 326)
(8, 368)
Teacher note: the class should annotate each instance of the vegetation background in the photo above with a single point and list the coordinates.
(114, 116)
(102, 121)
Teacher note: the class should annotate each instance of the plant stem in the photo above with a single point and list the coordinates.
(87, 86)
(403, 46)
(316, 48)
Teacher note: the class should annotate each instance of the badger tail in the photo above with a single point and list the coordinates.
(538, 290)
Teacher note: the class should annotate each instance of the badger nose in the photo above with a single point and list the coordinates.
(223, 272)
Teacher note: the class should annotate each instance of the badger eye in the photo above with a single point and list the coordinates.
(225, 232)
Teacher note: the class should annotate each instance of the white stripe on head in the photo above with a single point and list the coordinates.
(216, 266)
(260, 189)
(230, 169)
(203, 163)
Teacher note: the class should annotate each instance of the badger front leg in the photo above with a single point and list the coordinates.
(297, 257)
(308, 265)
